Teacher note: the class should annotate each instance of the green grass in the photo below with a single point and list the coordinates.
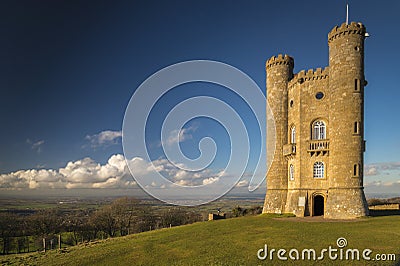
(228, 242)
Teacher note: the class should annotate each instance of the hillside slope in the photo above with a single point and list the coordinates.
(231, 242)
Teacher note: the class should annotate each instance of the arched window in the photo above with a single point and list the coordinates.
(291, 172)
(319, 170)
(319, 130)
(293, 135)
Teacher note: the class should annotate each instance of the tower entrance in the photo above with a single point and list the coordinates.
(318, 208)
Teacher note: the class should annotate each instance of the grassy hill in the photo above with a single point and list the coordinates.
(231, 242)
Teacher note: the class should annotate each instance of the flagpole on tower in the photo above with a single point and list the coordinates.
(347, 13)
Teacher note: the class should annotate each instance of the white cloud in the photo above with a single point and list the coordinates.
(381, 168)
(183, 182)
(85, 173)
(37, 146)
(210, 180)
(178, 136)
(104, 138)
(242, 183)
(32, 179)
(173, 173)
(186, 178)
(370, 171)
(379, 186)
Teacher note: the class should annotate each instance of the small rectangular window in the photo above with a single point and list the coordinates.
(357, 85)
(356, 127)
(356, 170)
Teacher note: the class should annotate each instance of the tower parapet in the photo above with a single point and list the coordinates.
(346, 29)
(280, 60)
(310, 74)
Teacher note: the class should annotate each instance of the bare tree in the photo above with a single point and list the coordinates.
(75, 223)
(105, 220)
(173, 217)
(144, 220)
(120, 217)
(126, 211)
(46, 222)
(8, 228)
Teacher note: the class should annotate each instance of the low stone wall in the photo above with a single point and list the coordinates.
(385, 207)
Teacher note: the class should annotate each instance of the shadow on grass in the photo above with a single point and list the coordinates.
(375, 213)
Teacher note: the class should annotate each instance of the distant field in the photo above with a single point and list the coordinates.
(225, 204)
(231, 242)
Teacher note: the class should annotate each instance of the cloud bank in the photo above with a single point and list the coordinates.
(381, 168)
(86, 173)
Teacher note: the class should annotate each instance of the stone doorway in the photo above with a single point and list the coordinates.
(318, 208)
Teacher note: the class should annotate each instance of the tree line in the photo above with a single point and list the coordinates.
(25, 233)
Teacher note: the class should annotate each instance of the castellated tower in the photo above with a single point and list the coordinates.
(279, 72)
(317, 168)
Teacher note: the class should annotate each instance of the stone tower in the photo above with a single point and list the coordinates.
(279, 72)
(319, 117)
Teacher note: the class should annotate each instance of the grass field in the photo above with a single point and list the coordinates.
(231, 242)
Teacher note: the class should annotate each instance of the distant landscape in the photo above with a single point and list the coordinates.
(235, 241)
(32, 224)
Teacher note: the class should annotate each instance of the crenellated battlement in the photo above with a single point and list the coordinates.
(346, 29)
(310, 74)
(280, 60)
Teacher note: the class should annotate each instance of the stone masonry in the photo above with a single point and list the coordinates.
(317, 168)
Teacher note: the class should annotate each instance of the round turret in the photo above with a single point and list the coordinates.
(346, 86)
(279, 72)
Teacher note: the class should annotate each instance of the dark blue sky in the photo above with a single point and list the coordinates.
(69, 68)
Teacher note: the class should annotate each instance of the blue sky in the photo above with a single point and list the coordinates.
(68, 70)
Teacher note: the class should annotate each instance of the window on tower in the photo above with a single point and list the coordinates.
(318, 130)
(291, 172)
(319, 95)
(356, 169)
(319, 170)
(293, 135)
(357, 128)
(357, 85)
